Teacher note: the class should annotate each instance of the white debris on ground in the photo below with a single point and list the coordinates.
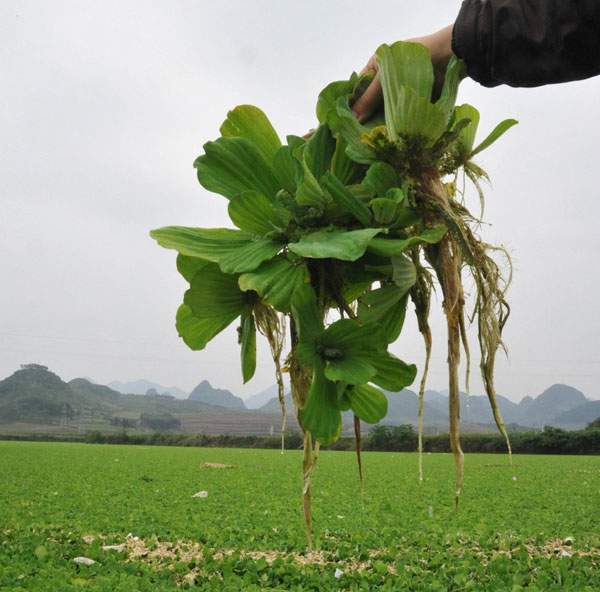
(84, 561)
(113, 547)
(340, 517)
(430, 509)
(201, 494)
(568, 540)
(514, 478)
(134, 538)
(338, 573)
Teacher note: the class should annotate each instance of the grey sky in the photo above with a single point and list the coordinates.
(104, 107)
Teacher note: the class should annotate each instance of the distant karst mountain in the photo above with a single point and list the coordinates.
(205, 393)
(559, 405)
(141, 387)
(258, 400)
(35, 394)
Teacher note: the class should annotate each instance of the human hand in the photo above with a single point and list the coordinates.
(440, 47)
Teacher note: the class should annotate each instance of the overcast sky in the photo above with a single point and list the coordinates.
(104, 107)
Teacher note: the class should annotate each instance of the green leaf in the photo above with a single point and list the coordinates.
(248, 343)
(405, 63)
(308, 319)
(347, 336)
(342, 121)
(351, 369)
(253, 212)
(447, 99)
(346, 199)
(189, 266)
(392, 373)
(197, 332)
(309, 191)
(275, 281)
(406, 75)
(500, 129)
(346, 245)
(466, 138)
(345, 169)
(205, 243)
(286, 169)
(384, 210)
(319, 151)
(215, 294)
(330, 95)
(250, 256)
(250, 122)
(321, 415)
(232, 165)
(386, 306)
(380, 178)
(417, 117)
(388, 247)
(367, 402)
(405, 273)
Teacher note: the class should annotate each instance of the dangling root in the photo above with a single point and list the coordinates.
(272, 326)
(309, 460)
(421, 297)
(360, 471)
(445, 258)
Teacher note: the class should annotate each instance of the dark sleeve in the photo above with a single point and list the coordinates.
(528, 42)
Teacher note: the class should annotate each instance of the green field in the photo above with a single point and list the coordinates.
(533, 526)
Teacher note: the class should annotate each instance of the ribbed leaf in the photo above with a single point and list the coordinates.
(405, 274)
(253, 212)
(349, 337)
(466, 138)
(250, 256)
(308, 319)
(384, 210)
(329, 96)
(388, 247)
(205, 243)
(286, 169)
(248, 343)
(447, 99)
(402, 66)
(392, 373)
(346, 199)
(342, 121)
(215, 294)
(309, 191)
(345, 169)
(500, 129)
(197, 332)
(189, 266)
(386, 306)
(275, 281)
(380, 178)
(417, 117)
(250, 122)
(232, 165)
(319, 151)
(367, 402)
(321, 415)
(346, 245)
(351, 369)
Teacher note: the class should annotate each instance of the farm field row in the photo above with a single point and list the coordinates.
(533, 525)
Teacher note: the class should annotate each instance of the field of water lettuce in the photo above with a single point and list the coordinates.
(133, 512)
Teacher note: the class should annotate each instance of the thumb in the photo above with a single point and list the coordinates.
(369, 101)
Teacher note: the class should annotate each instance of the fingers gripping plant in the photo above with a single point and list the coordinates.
(334, 236)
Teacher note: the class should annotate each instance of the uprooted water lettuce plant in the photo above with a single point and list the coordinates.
(334, 236)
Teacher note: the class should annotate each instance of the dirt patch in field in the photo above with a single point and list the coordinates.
(159, 552)
(212, 465)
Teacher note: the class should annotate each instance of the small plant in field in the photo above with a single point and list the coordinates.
(334, 236)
